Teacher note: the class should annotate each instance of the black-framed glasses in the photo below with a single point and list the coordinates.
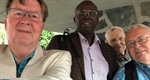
(140, 41)
(91, 13)
(20, 13)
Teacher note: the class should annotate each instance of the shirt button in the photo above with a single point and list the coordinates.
(93, 72)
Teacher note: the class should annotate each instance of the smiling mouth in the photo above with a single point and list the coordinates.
(86, 23)
(139, 52)
(24, 31)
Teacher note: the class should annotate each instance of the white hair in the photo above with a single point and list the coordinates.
(112, 29)
(138, 26)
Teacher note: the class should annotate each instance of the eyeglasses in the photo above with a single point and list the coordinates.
(20, 13)
(140, 41)
(91, 13)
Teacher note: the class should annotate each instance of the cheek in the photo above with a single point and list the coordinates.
(10, 25)
(131, 52)
(147, 45)
(38, 27)
(12, 22)
(122, 41)
(112, 43)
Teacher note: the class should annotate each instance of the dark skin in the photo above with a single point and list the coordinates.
(86, 24)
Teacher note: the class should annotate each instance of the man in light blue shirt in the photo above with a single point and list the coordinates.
(138, 41)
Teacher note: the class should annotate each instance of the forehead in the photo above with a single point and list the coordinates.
(86, 5)
(116, 32)
(136, 33)
(32, 5)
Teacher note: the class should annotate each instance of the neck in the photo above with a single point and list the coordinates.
(121, 54)
(19, 59)
(21, 52)
(90, 38)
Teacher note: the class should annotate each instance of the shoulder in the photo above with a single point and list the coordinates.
(74, 34)
(120, 75)
(56, 64)
(57, 54)
(3, 47)
(55, 51)
(106, 46)
(102, 42)
(59, 37)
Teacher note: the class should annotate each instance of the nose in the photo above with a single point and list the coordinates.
(26, 19)
(87, 15)
(117, 41)
(136, 44)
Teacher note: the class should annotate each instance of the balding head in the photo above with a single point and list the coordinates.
(85, 2)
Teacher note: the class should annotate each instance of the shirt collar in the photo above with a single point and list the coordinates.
(29, 57)
(140, 64)
(96, 38)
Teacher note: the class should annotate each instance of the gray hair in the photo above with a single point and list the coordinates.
(138, 26)
(112, 29)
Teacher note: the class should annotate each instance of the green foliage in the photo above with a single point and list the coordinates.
(45, 38)
(2, 38)
(2, 35)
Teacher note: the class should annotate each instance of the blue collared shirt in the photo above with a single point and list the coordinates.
(21, 66)
(143, 72)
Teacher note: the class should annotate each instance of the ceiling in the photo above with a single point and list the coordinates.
(61, 12)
